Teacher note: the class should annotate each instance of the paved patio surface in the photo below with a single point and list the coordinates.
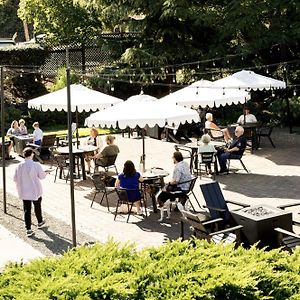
(273, 179)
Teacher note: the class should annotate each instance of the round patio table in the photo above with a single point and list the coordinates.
(152, 176)
(80, 154)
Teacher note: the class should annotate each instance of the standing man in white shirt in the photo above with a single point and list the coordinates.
(246, 117)
(27, 178)
(37, 134)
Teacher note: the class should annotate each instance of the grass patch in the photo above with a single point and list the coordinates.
(81, 131)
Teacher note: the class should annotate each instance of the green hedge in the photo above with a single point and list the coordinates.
(176, 270)
(25, 55)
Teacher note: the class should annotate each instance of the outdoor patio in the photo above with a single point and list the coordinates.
(273, 180)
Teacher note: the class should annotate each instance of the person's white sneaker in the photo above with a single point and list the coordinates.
(41, 225)
(29, 232)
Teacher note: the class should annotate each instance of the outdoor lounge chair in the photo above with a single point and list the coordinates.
(216, 203)
(288, 240)
(206, 230)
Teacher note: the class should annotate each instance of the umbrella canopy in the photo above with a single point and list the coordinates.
(204, 93)
(142, 110)
(248, 80)
(82, 99)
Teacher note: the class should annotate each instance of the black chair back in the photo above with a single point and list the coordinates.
(215, 201)
(207, 157)
(61, 160)
(108, 161)
(122, 194)
(98, 182)
(192, 183)
(48, 140)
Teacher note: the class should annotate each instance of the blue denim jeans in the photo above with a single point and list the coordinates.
(222, 157)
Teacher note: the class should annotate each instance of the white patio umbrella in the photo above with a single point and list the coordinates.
(142, 110)
(204, 93)
(82, 99)
(248, 80)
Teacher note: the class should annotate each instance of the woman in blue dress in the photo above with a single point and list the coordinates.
(130, 179)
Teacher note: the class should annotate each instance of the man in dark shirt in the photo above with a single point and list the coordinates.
(235, 150)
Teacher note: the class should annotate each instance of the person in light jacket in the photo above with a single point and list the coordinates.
(28, 176)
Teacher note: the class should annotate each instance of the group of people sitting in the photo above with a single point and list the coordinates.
(217, 132)
(235, 146)
(101, 155)
(19, 128)
(178, 187)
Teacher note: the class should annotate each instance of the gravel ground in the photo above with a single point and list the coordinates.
(54, 238)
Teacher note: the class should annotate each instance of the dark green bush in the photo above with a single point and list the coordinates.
(25, 55)
(176, 270)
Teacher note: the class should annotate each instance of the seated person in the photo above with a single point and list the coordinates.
(111, 149)
(94, 140)
(37, 134)
(130, 179)
(246, 117)
(235, 150)
(207, 148)
(12, 131)
(181, 174)
(216, 132)
(22, 127)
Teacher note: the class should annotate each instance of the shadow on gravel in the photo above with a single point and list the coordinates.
(55, 243)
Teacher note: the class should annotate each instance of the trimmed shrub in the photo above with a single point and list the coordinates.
(23, 55)
(176, 270)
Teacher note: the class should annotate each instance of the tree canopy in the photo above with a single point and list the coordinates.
(174, 32)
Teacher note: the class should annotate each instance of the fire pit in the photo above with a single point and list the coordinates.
(259, 222)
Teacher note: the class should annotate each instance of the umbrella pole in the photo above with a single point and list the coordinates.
(244, 111)
(143, 158)
(77, 134)
(3, 139)
(70, 137)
